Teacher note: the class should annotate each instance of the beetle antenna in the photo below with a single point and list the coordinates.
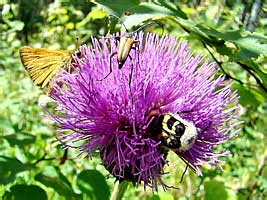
(112, 15)
(147, 24)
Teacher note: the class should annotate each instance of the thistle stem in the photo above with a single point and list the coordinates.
(119, 190)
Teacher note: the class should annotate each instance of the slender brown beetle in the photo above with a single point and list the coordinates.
(127, 42)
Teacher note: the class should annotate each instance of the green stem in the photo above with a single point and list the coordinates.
(119, 190)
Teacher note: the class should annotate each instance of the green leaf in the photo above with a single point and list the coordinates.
(20, 139)
(25, 192)
(264, 172)
(249, 96)
(142, 12)
(154, 197)
(215, 190)
(166, 196)
(97, 14)
(2, 190)
(248, 45)
(53, 178)
(147, 11)
(16, 25)
(251, 46)
(9, 167)
(176, 11)
(93, 184)
(117, 7)
(256, 68)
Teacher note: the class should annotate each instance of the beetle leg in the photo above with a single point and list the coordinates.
(131, 59)
(131, 73)
(107, 38)
(117, 39)
(130, 80)
(136, 48)
(110, 67)
(181, 180)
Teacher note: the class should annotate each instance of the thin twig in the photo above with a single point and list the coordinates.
(249, 70)
(42, 158)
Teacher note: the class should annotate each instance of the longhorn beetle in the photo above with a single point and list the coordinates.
(126, 43)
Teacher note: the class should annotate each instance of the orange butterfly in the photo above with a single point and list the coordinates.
(42, 64)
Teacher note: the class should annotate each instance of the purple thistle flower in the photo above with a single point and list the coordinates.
(115, 118)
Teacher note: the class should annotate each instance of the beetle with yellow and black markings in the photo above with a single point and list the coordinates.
(174, 132)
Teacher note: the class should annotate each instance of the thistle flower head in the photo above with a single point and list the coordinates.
(115, 118)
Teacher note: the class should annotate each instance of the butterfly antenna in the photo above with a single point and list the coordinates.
(111, 15)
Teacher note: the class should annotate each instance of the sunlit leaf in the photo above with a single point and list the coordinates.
(251, 46)
(117, 7)
(55, 179)
(249, 96)
(16, 25)
(148, 11)
(20, 139)
(9, 167)
(2, 190)
(154, 197)
(215, 190)
(97, 14)
(93, 183)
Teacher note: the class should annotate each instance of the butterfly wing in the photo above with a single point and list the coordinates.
(42, 64)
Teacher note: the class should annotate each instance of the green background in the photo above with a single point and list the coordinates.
(30, 157)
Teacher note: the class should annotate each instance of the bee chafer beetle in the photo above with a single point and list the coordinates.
(174, 132)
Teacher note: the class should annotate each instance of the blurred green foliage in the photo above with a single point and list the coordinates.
(32, 164)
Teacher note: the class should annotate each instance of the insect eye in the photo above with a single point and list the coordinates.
(179, 129)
